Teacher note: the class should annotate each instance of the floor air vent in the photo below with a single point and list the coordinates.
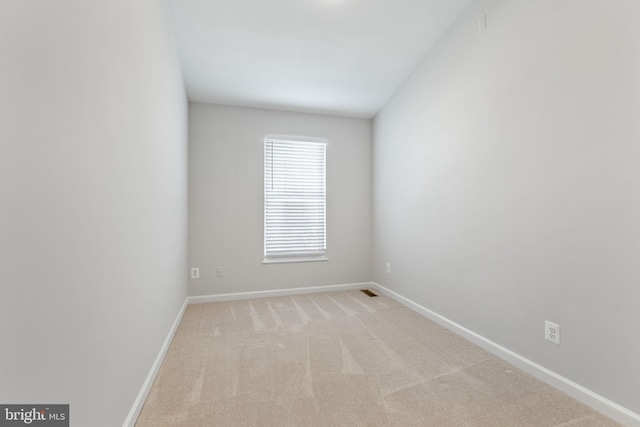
(368, 292)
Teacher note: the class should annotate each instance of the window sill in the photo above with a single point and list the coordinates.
(289, 260)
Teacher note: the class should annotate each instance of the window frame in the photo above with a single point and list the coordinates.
(293, 258)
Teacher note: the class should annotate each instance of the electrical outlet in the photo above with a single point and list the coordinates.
(552, 332)
(219, 272)
(388, 268)
(195, 273)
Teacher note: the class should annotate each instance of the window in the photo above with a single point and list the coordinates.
(294, 200)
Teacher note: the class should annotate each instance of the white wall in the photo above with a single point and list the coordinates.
(226, 181)
(93, 201)
(507, 185)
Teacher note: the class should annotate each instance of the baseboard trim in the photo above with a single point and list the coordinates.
(131, 419)
(578, 392)
(274, 293)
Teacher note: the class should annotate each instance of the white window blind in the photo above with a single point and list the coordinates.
(294, 199)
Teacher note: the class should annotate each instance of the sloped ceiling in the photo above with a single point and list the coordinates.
(342, 57)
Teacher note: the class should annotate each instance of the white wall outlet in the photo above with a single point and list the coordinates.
(195, 273)
(388, 268)
(219, 272)
(552, 332)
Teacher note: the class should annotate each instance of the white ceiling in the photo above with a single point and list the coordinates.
(343, 57)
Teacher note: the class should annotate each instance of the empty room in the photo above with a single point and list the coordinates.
(320, 213)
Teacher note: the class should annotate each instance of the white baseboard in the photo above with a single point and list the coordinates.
(131, 419)
(275, 293)
(578, 392)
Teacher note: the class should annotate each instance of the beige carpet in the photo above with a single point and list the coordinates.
(341, 359)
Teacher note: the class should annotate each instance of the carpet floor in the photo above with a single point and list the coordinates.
(341, 359)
